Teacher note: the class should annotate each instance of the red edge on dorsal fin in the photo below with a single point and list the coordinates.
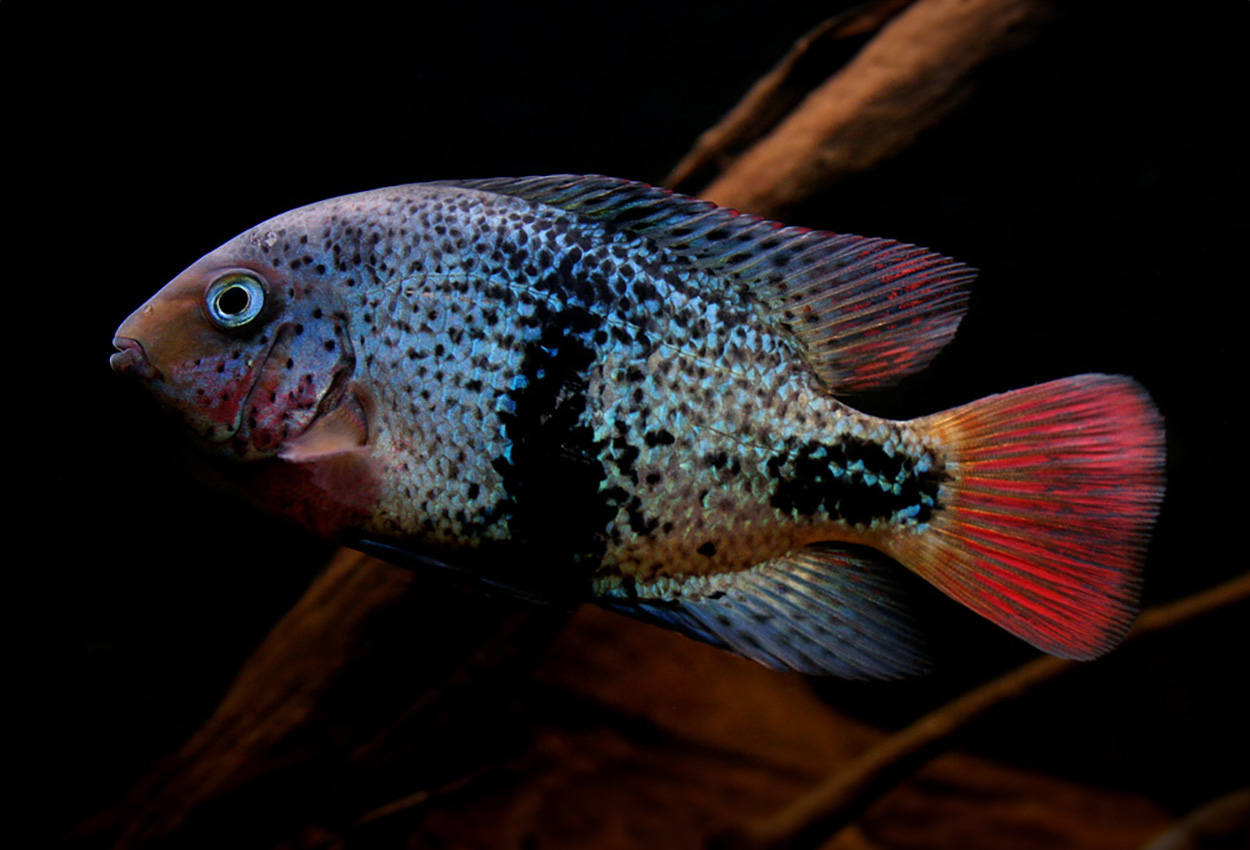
(870, 311)
(1043, 522)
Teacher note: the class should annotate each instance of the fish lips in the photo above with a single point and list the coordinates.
(131, 359)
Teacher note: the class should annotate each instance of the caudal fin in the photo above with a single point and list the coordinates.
(1043, 522)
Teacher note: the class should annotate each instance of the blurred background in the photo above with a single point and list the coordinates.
(1097, 178)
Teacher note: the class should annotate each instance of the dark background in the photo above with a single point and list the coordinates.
(1098, 180)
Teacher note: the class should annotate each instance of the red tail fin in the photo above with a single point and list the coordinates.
(1043, 523)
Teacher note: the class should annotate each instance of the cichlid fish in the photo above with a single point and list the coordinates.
(581, 387)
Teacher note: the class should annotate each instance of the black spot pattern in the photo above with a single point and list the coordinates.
(551, 472)
(853, 480)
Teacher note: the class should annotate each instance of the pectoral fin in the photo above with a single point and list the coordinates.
(343, 429)
(336, 449)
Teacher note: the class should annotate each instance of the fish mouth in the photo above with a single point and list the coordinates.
(131, 359)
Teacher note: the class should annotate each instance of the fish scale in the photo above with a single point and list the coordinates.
(611, 348)
(579, 387)
(636, 548)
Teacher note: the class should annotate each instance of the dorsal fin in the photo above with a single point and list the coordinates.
(865, 312)
(826, 609)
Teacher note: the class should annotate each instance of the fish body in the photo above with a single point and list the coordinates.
(584, 387)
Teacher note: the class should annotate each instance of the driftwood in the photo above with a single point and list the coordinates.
(374, 662)
(810, 62)
(922, 64)
(1222, 823)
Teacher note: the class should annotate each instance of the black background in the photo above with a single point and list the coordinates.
(1098, 180)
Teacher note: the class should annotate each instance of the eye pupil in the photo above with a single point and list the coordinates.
(233, 301)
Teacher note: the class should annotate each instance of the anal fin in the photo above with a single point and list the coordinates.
(827, 609)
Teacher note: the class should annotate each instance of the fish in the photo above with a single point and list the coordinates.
(582, 388)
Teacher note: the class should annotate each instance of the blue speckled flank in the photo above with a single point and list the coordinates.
(608, 377)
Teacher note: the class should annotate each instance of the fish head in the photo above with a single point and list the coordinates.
(249, 345)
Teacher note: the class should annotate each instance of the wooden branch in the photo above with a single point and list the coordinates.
(1220, 823)
(321, 694)
(816, 817)
(815, 57)
(905, 81)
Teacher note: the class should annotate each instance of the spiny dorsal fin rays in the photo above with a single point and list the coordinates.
(826, 609)
(865, 312)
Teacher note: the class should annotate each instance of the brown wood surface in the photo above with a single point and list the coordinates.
(922, 65)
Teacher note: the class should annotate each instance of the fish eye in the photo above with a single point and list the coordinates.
(234, 300)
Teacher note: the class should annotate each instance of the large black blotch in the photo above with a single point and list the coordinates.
(552, 474)
(819, 478)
